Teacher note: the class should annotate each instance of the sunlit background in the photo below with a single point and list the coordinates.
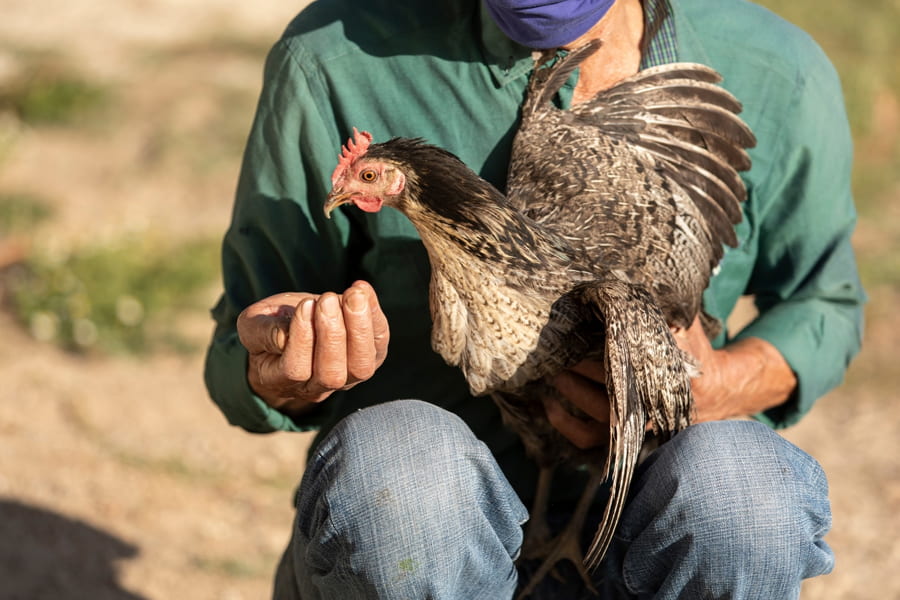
(121, 128)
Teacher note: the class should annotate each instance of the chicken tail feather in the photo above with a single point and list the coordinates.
(647, 382)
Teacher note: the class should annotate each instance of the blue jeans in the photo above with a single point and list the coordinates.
(401, 501)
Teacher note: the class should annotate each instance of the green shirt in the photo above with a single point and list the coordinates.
(442, 71)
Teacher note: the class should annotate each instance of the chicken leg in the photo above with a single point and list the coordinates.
(537, 536)
(567, 544)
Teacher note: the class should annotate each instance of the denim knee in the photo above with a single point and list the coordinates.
(731, 506)
(400, 498)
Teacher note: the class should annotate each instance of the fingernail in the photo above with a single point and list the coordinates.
(306, 309)
(330, 305)
(356, 302)
(279, 339)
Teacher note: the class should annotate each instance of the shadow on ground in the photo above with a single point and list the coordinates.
(46, 555)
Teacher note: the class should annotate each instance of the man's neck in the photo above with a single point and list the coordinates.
(621, 30)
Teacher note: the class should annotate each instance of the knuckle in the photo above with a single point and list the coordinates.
(332, 379)
(330, 332)
(360, 335)
(361, 371)
(296, 372)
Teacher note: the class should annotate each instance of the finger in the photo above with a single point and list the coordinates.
(265, 376)
(592, 369)
(381, 332)
(583, 434)
(380, 328)
(263, 334)
(296, 363)
(263, 326)
(360, 338)
(585, 394)
(693, 340)
(679, 333)
(329, 363)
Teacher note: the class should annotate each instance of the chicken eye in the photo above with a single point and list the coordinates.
(369, 175)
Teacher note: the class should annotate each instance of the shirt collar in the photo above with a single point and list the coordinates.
(506, 59)
(661, 45)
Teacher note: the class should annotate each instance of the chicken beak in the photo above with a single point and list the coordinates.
(335, 199)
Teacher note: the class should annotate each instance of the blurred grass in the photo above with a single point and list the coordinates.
(21, 212)
(49, 91)
(117, 297)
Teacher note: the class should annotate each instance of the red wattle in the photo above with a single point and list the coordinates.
(368, 203)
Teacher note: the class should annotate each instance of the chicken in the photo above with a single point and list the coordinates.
(617, 211)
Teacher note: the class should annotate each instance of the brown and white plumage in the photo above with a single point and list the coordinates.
(616, 214)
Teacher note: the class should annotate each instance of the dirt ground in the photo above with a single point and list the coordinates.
(118, 477)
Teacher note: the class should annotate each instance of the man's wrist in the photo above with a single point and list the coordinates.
(755, 376)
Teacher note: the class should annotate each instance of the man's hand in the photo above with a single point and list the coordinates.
(584, 385)
(303, 347)
(742, 379)
(739, 380)
(712, 397)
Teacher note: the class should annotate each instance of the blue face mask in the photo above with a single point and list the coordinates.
(546, 23)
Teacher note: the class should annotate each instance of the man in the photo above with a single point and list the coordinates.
(426, 497)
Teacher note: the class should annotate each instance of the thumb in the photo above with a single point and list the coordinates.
(263, 333)
(263, 326)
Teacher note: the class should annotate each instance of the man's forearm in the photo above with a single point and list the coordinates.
(742, 379)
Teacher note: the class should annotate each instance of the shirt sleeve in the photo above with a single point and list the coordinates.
(277, 241)
(805, 280)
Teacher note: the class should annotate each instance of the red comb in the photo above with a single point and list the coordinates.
(353, 149)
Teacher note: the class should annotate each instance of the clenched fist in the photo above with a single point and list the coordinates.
(305, 346)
